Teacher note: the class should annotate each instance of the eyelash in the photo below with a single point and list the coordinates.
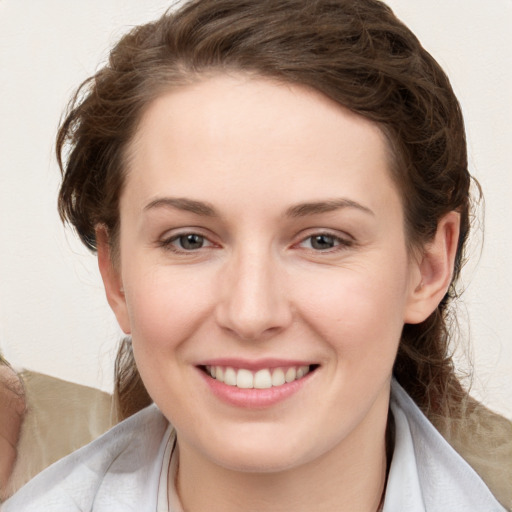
(339, 243)
(168, 243)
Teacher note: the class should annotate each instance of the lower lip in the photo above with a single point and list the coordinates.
(254, 398)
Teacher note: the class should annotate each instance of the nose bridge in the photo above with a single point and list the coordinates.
(254, 301)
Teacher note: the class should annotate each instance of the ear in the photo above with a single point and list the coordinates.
(112, 281)
(432, 272)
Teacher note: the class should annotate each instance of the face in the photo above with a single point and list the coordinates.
(262, 241)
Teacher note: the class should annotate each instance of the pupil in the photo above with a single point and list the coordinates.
(191, 241)
(322, 242)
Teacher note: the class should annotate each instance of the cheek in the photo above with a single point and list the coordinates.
(165, 306)
(163, 316)
(358, 310)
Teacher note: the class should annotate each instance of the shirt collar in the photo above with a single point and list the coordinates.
(425, 474)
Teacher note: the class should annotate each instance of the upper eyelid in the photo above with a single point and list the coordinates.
(342, 242)
(173, 234)
(310, 232)
(167, 239)
(188, 230)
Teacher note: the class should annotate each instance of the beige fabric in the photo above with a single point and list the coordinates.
(61, 417)
(484, 439)
(12, 411)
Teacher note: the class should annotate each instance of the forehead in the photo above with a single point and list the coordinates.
(245, 138)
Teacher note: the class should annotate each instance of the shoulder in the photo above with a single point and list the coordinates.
(115, 468)
(435, 473)
(484, 439)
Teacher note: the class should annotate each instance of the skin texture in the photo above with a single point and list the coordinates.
(250, 151)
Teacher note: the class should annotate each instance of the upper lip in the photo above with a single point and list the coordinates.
(255, 365)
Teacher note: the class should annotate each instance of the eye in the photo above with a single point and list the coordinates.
(186, 242)
(324, 242)
(191, 241)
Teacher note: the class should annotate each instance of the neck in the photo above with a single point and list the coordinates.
(349, 477)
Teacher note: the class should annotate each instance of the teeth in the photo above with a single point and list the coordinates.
(302, 371)
(262, 379)
(290, 374)
(278, 377)
(229, 377)
(244, 379)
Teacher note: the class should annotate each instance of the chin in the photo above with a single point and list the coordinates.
(270, 452)
(259, 461)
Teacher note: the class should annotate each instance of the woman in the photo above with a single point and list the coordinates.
(278, 194)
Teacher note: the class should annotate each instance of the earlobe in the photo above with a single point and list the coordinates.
(433, 271)
(111, 276)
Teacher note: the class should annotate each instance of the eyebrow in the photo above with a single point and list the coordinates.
(314, 208)
(181, 203)
(299, 210)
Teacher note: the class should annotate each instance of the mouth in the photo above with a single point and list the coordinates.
(264, 378)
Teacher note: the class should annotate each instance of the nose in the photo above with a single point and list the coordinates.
(254, 303)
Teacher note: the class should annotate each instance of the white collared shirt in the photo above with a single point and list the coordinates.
(129, 467)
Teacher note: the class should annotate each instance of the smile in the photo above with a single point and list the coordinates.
(262, 379)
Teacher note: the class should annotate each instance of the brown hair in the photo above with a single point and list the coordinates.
(130, 395)
(357, 53)
(354, 51)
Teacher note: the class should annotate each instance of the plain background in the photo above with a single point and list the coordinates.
(53, 315)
